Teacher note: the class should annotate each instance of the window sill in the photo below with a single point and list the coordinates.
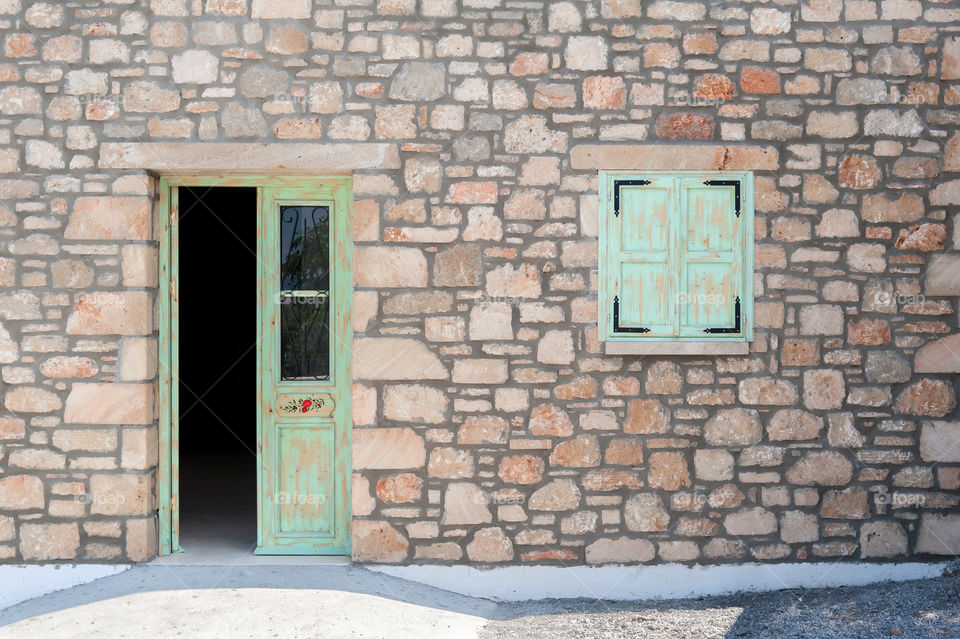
(676, 348)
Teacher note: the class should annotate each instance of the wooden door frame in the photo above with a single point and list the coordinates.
(168, 475)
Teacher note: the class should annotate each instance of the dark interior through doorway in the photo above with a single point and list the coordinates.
(217, 366)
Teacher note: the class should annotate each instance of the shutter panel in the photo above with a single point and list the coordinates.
(643, 263)
(711, 300)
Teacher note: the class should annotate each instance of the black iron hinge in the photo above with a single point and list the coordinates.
(616, 321)
(736, 190)
(616, 192)
(736, 321)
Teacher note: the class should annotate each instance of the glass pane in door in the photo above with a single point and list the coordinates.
(305, 292)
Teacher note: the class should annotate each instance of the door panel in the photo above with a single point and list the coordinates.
(307, 455)
(304, 364)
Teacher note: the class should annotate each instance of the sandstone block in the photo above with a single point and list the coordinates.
(459, 266)
(713, 464)
(849, 503)
(843, 431)
(395, 358)
(645, 512)
(419, 81)
(465, 504)
(139, 448)
(821, 319)
(363, 502)
(767, 390)
(882, 539)
(196, 66)
(450, 463)
(30, 399)
(510, 282)
(387, 448)
(109, 218)
(668, 470)
(750, 521)
(521, 469)
(415, 403)
(490, 545)
(586, 53)
(733, 427)
(138, 359)
(280, 9)
(928, 398)
(826, 468)
(49, 542)
(106, 403)
(646, 416)
(377, 541)
(940, 441)
(939, 535)
(144, 96)
(110, 313)
(556, 347)
(581, 452)
(823, 389)
(547, 419)
(483, 430)
(794, 424)
(21, 492)
(940, 356)
(117, 495)
(797, 527)
(559, 494)
(141, 539)
(491, 321)
(530, 134)
(622, 550)
(404, 488)
(480, 371)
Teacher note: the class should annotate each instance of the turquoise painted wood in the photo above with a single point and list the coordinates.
(710, 257)
(303, 467)
(676, 258)
(166, 476)
(304, 459)
(644, 261)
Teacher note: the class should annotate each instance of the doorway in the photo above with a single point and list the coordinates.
(255, 345)
(217, 298)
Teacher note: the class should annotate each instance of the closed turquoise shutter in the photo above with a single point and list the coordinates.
(641, 256)
(711, 299)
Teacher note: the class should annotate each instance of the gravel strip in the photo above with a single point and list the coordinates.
(924, 609)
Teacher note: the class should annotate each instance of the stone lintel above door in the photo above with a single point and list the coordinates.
(176, 158)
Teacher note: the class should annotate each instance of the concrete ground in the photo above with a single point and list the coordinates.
(338, 601)
(333, 602)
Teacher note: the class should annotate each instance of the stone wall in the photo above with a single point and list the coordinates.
(490, 427)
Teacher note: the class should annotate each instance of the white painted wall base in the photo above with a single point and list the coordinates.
(23, 582)
(668, 581)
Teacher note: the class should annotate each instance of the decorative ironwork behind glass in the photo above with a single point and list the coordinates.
(305, 292)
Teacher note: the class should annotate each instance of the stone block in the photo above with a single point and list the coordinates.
(106, 403)
(109, 218)
(49, 542)
(388, 449)
(121, 495)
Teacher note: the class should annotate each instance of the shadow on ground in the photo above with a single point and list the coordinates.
(336, 602)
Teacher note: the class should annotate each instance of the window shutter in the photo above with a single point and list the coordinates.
(641, 260)
(711, 298)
